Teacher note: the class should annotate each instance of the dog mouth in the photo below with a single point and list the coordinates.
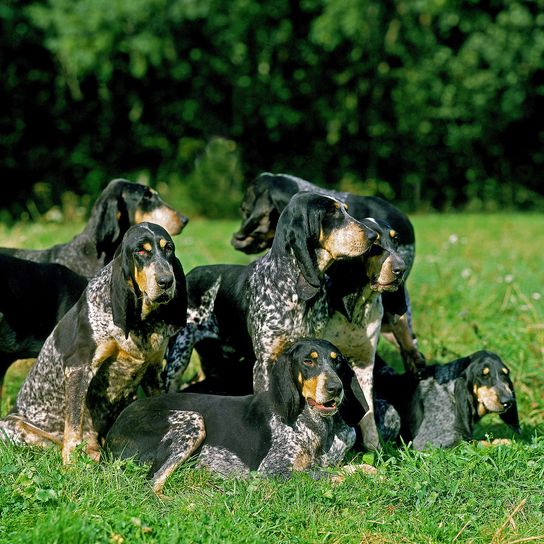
(248, 243)
(385, 286)
(327, 408)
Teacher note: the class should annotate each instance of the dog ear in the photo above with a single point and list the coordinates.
(286, 396)
(175, 312)
(126, 307)
(112, 216)
(354, 405)
(303, 229)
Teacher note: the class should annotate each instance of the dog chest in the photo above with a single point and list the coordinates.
(357, 338)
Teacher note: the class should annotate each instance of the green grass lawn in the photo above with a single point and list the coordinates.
(478, 282)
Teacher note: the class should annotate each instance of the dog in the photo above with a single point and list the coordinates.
(110, 341)
(268, 194)
(35, 297)
(355, 291)
(265, 306)
(292, 426)
(442, 409)
(121, 204)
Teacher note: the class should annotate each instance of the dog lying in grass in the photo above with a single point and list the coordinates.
(292, 426)
(442, 408)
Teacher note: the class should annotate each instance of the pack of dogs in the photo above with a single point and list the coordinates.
(287, 344)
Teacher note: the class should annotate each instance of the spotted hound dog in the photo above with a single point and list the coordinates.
(292, 426)
(121, 204)
(268, 194)
(355, 291)
(34, 298)
(110, 341)
(265, 306)
(442, 409)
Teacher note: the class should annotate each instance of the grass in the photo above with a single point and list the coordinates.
(477, 283)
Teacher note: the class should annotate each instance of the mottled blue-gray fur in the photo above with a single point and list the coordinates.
(442, 409)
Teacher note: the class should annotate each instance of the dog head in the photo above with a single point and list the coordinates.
(124, 203)
(305, 374)
(264, 200)
(492, 390)
(318, 230)
(147, 278)
(385, 268)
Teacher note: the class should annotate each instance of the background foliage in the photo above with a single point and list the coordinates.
(432, 103)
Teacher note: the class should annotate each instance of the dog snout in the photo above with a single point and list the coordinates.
(334, 387)
(507, 402)
(398, 269)
(165, 280)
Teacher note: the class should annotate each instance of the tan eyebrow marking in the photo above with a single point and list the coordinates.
(486, 371)
(505, 370)
(162, 243)
(334, 355)
(314, 355)
(392, 233)
(147, 246)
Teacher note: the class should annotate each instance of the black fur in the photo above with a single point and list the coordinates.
(34, 298)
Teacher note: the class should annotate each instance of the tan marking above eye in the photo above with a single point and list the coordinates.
(337, 205)
(486, 371)
(392, 233)
(346, 207)
(147, 246)
(163, 243)
(504, 370)
(314, 355)
(334, 355)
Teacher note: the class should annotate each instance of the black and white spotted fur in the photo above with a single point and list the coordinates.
(281, 297)
(121, 204)
(442, 409)
(294, 425)
(111, 340)
(268, 194)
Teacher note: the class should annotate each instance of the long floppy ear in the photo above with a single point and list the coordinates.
(511, 417)
(303, 229)
(286, 397)
(175, 312)
(394, 303)
(467, 414)
(112, 216)
(126, 307)
(354, 405)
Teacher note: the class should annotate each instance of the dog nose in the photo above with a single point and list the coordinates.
(507, 403)
(165, 281)
(184, 219)
(334, 388)
(399, 270)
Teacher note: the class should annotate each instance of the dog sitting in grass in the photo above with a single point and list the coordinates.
(442, 409)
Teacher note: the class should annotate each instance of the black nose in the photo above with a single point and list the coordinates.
(507, 403)
(334, 388)
(399, 270)
(184, 220)
(165, 281)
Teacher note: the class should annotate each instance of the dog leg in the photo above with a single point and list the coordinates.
(185, 434)
(369, 430)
